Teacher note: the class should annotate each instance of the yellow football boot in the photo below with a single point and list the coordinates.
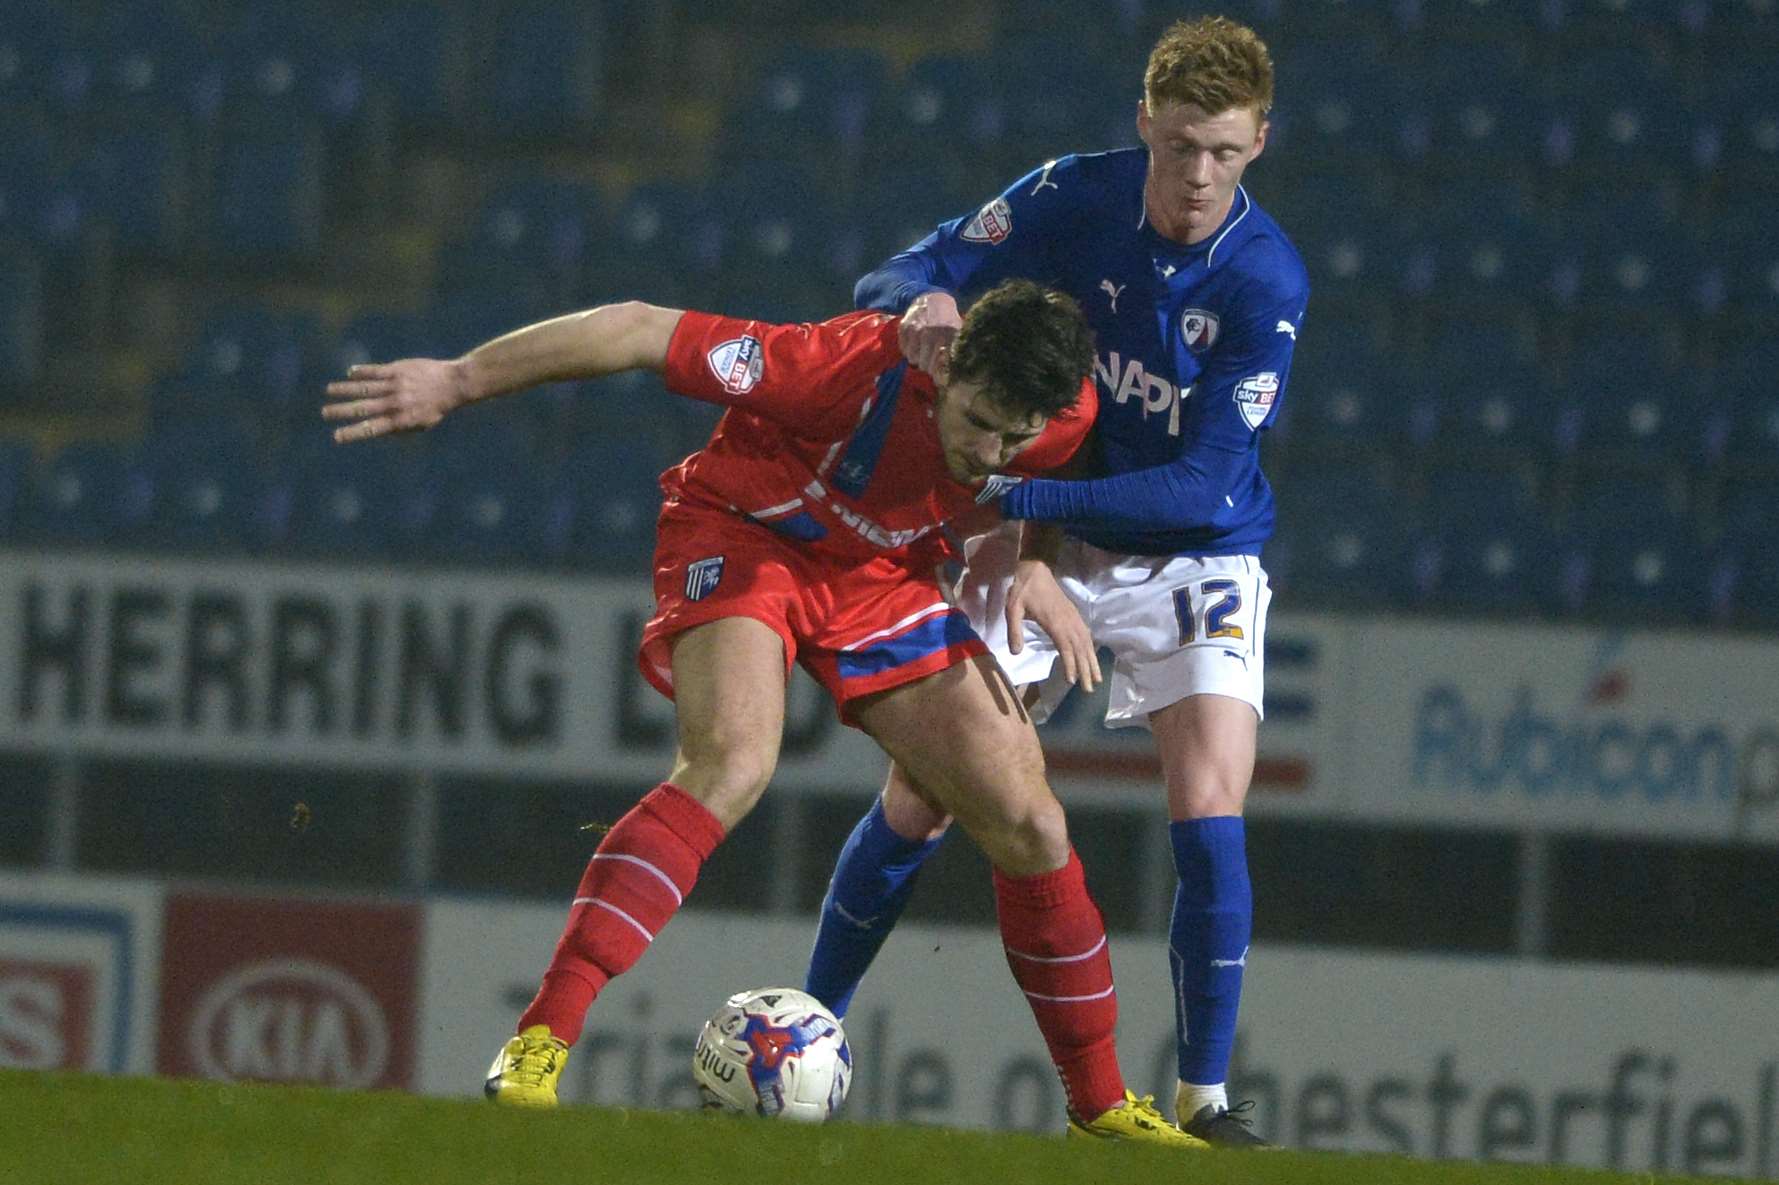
(526, 1069)
(1135, 1120)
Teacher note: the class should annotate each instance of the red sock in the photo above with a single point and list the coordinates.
(634, 883)
(1055, 941)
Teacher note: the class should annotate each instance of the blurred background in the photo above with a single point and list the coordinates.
(1533, 418)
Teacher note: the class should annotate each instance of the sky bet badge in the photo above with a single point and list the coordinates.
(1254, 397)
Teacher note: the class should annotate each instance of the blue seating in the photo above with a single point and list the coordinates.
(363, 500)
(546, 70)
(1340, 391)
(280, 62)
(1057, 99)
(1631, 399)
(40, 62)
(458, 320)
(404, 50)
(1633, 546)
(1471, 110)
(807, 101)
(15, 477)
(266, 195)
(944, 104)
(151, 61)
(376, 336)
(1487, 253)
(1337, 107)
(1748, 382)
(609, 497)
(204, 488)
(666, 241)
(90, 493)
(261, 360)
(135, 177)
(21, 320)
(535, 233)
(1750, 561)
(1347, 537)
(1485, 546)
(1492, 397)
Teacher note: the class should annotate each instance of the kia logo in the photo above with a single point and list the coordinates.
(290, 1020)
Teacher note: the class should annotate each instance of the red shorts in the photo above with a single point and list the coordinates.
(858, 627)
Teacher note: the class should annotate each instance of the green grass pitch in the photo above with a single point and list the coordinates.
(57, 1128)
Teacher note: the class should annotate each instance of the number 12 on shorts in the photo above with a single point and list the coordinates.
(1207, 614)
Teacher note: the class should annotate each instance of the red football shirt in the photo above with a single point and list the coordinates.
(830, 438)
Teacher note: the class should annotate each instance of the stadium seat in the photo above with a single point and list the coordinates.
(810, 102)
(136, 177)
(1492, 398)
(261, 360)
(1337, 108)
(266, 195)
(1748, 385)
(545, 71)
(151, 61)
(1488, 254)
(15, 478)
(1056, 99)
(1485, 547)
(1470, 110)
(41, 62)
(1751, 561)
(363, 500)
(405, 52)
(1340, 391)
(91, 492)
(21, 321)
(375, 336)
(666, 241)
(1347, 534)
(1635, 550)
(1632, 400)
(458, 320)
(944, 106)
(534, 233)
(204, 488)
(607, 499)
(290, 62)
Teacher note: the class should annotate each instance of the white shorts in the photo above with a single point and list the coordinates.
(1177, 626)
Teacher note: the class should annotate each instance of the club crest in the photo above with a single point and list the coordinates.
(702, 577)
(1198, 329)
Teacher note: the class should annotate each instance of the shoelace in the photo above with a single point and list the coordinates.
(534, 1063)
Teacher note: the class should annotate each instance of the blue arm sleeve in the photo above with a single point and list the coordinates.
(1006, 237)
(1236, 395)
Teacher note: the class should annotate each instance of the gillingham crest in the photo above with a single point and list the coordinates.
(702, 577)
(738, 364)
(1198, 329)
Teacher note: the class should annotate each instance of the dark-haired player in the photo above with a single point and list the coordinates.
(809, 529)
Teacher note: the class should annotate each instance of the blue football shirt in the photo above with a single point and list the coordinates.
(1193, 347)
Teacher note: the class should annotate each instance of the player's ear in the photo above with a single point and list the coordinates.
(1143, 121)
(1260, 138)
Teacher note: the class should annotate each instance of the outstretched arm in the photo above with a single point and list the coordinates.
(415, 393)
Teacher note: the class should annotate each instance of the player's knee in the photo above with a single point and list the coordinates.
(1034, 840)
(728, 777)
(1210, 798)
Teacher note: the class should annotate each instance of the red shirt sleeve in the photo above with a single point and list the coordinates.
(1062, 436)
(789, 373)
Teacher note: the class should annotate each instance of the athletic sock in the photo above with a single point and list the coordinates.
(872, 881)
(1192, 1098)
(1055, 941)
(1208, 942)
(634, 883)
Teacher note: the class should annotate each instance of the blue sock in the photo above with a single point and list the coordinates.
(1208, 941)
(872, 881)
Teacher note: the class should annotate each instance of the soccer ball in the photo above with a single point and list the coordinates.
(774, 1052)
